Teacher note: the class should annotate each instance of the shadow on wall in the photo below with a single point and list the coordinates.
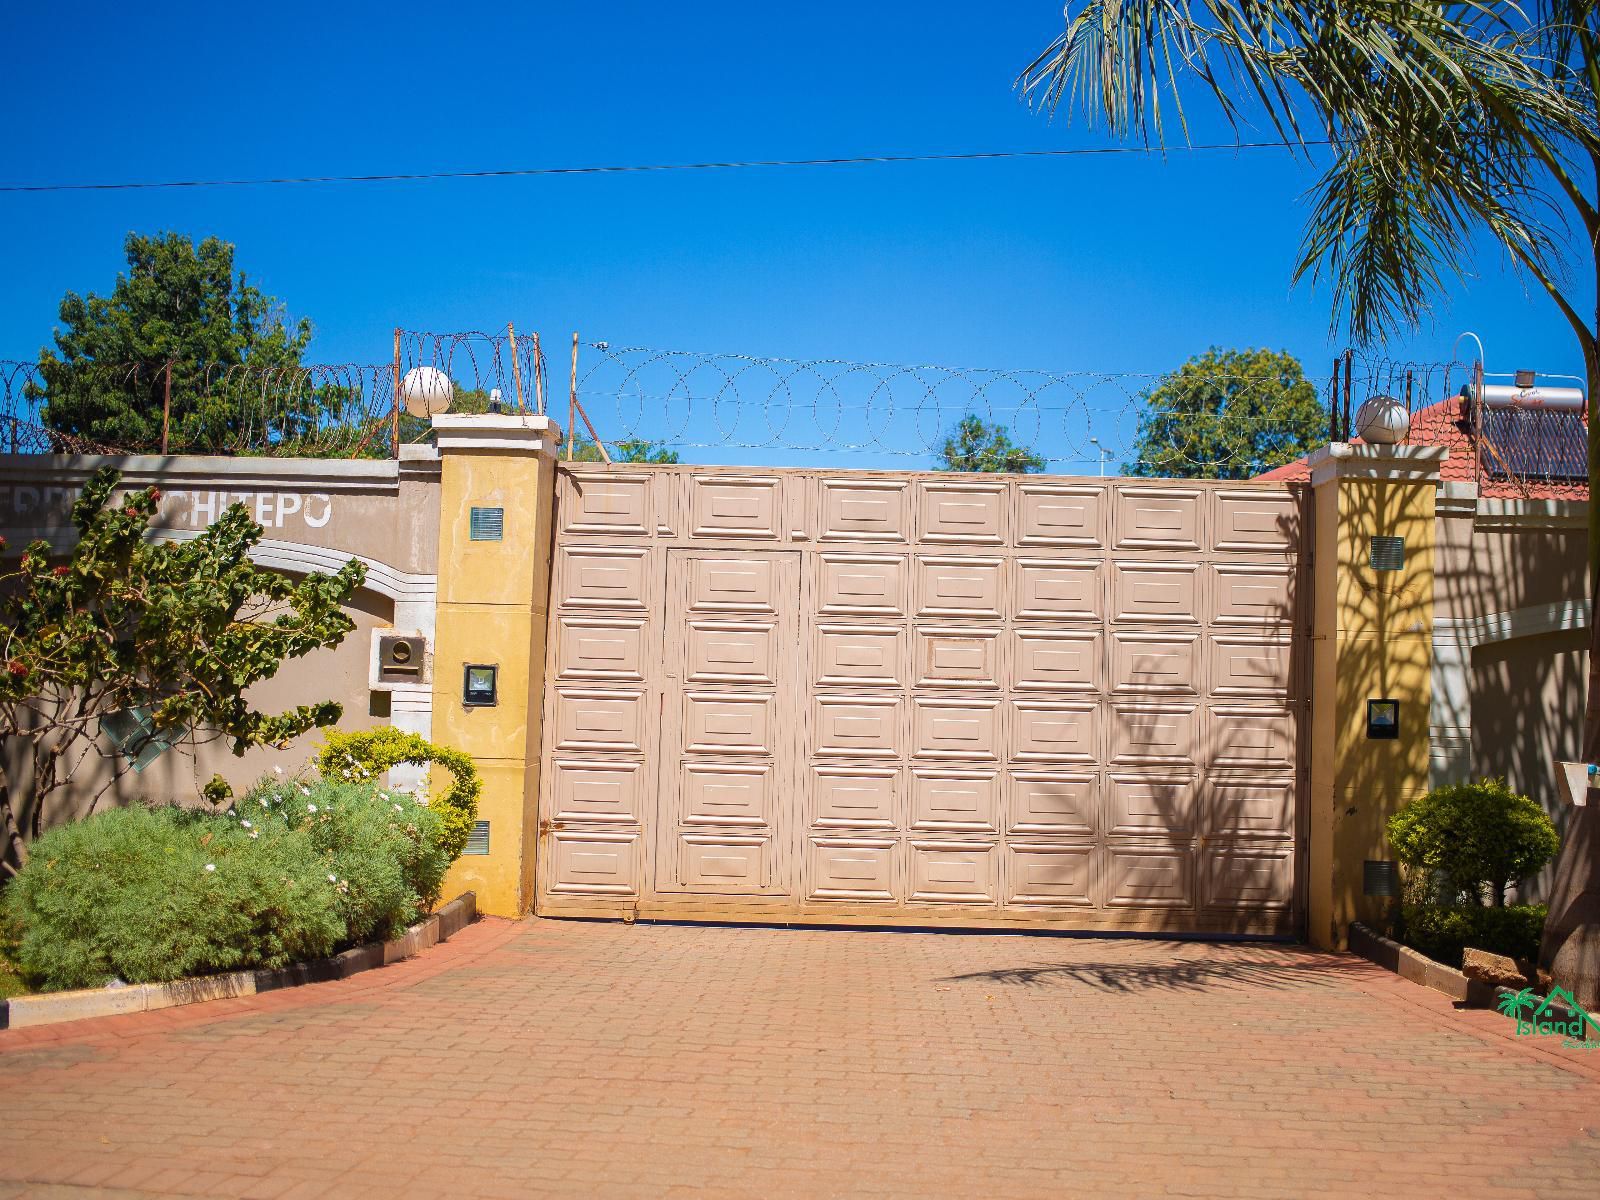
(1527, 706)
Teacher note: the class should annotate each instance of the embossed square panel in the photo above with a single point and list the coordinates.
(594, 720)
(1155, 733)
(732, 864)
(732, 583)
(588, 791)
(1064, 731)
(959, 587)
(855, 797)
(953, 657)
(857, 725)
(1262, 520)
(955, 801)
(859, 655)
(606, 504)
(1150, 663)
(1057, 660)
(868, 585)
(593, 863)
(1248, 876)
(1157, 518)
(1253, 593)
(1149, 877)
(1246, 665)
(1149, 804)
(955, 728)
(600, 648)
(735, 506)
(953, 872)
(726, 794)
(970, 513)
(1053, 802)
(603, 577)
(1052, 514)
(726, 723)
(1257, 739)
(1057, 589)
(1168, 592)
(1248, 805)
(865, 510)
(730, 652)
(1047, 873)
(841, 868)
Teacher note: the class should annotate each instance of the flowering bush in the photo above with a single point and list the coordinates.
(152, 894)
(370, 752)
(378, 850)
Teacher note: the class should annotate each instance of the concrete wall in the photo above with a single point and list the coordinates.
(315, 514)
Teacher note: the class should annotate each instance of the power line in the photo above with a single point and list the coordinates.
(639, 168)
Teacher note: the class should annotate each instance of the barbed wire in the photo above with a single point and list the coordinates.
(649, 403)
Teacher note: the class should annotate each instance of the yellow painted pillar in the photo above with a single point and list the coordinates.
(497, 501)
(1372, 640)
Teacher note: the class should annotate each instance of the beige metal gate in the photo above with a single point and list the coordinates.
(924, 699)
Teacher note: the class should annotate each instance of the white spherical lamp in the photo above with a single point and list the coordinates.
(425, 391)
(1382, 421)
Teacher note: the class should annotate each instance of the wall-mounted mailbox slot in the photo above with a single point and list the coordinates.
(400, 658)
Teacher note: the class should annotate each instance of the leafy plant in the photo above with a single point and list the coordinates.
(1228, 414)
(1443, 932)
(145, 895)
(1473, 836)
(177, 632)
(370, 752)
(183, 304)
(975, 445)
(380, 851)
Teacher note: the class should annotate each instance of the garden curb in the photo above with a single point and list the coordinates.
(51, 1008)
(1419, 968)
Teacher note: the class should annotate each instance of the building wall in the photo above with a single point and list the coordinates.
(315, 514)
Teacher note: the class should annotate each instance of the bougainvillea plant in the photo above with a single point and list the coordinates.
(178, 630)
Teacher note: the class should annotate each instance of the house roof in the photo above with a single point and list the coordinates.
(1444, 424)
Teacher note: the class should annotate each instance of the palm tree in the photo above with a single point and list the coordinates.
(1513, 1004)
(1440, 123)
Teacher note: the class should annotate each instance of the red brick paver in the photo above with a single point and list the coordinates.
(590, 1059)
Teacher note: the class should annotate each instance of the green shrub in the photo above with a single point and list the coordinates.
(380, 851)
(1474, 836)
(147, 895)
(370, 752)
(1442, 932)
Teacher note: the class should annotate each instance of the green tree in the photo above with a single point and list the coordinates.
(628, 450)
(1228, 414)
(1444, 124)
(975, 445)
(184, 304)
(171, 634)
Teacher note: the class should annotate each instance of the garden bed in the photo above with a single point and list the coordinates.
(21, 1011)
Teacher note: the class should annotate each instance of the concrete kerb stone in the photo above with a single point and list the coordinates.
(1419, 968)
(52, 1008)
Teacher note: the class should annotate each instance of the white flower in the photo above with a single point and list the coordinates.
(311, 808)
(244, 824)
(211, 866)
(383, 795)
(333, 879)
(397, 808)
(346, 774)
(277, 770)
(254, 834)
(304, 790)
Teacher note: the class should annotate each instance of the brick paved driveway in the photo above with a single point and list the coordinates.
(582, 1059)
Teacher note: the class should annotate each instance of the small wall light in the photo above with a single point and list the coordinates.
(478, 685)
(1383, 719)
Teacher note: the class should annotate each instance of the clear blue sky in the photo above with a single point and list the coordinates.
(1122, 264)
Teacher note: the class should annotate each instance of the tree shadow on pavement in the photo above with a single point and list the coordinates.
(1172, 977)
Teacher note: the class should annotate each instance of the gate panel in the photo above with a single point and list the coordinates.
(924, 699)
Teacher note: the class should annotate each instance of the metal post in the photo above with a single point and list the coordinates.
(1347, 373)
(394, 419)
(166, 406)
(1333, 403)
(538, 375)
(572, 402)
(516, 367)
